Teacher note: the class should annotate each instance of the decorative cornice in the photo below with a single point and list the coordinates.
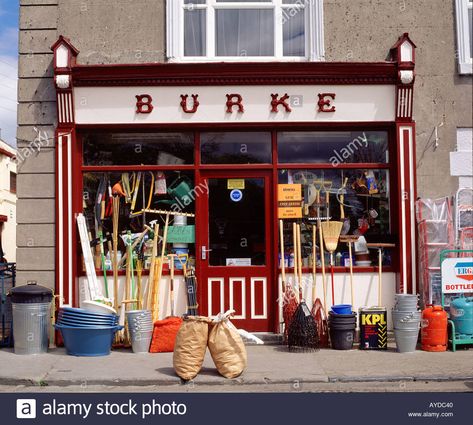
(207, 74)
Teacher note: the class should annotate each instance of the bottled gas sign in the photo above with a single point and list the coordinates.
(457, 275)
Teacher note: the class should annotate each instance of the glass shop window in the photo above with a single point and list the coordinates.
(138, 148)
(359, 198)
(236, 148)
(334, 147)
(143, 196)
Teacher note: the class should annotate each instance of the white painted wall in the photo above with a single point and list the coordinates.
(8, 203)
(111, 105)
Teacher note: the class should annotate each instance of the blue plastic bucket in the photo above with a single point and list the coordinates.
(88, 342)
(342, 309)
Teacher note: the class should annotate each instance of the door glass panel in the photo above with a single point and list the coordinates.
(237, 222)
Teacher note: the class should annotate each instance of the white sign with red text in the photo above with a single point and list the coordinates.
(457, 275)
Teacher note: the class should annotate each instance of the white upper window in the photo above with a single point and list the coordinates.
(464, 11)
(239, 30)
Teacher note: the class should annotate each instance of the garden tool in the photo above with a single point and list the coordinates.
(116, 215)
(152, 268)
(349, 239)
(331, 230)
(289, 305)
(302, 333)
(346, 220)
(380, 247)
(327, 185)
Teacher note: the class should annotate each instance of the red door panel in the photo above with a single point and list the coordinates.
(234, 247)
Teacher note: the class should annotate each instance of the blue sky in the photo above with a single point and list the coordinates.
(8, 68)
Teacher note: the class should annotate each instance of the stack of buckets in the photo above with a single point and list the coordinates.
(342, 325)
(140, 329)
(406, 322)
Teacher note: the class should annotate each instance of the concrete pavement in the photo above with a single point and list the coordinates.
(267, 366)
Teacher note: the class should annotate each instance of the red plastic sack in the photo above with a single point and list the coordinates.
(164, 335)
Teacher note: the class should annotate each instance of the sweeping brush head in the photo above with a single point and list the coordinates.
(288, 309)
(318, 313)
(302, 334)
(331, 231)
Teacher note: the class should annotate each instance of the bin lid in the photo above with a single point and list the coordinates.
(30, 293)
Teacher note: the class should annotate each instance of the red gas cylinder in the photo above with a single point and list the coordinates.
(434, 328)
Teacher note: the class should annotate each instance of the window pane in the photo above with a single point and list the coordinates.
(293, 21)
(194, 1)
(231, 222)
(333, 147)
(138, 148)
(236, 148)
(470, 27)
(194, 32)
(365, 203)
(162, 190)
(244, 32)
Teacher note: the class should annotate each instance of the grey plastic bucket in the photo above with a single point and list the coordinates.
(31, 324)
(139, 321)
(406, 340)
(406, 319)
(405, 302)
(140, 341)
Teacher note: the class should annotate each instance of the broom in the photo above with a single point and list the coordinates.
(302, 334)
(331, 231)
(289, 302)
(318, 312)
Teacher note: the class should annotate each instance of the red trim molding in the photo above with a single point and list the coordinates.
(246, 73)
(7, 153)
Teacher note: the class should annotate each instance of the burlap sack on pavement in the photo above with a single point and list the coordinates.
(190, 346)
(227, 349)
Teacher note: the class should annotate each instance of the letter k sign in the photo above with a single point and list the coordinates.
(26, 408)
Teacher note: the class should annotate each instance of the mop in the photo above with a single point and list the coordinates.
(331, 231)
(288, 297)
(302, 334)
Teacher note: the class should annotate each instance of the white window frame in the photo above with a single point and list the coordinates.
(464, 38)
(314, 32)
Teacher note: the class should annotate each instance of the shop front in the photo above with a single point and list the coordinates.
(216, 147)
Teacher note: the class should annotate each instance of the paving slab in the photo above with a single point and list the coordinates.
(267, 365)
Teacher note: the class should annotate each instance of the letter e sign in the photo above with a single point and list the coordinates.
(144, 104)
(325, 105)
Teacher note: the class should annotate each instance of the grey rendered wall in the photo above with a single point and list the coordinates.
(115, 31)
(36, 109)
(364, 30)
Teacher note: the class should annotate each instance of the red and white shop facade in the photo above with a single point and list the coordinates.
(243, 97)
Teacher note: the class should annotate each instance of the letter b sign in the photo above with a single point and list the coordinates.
(144, 104)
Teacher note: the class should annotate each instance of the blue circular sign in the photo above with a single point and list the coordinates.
(236, 195)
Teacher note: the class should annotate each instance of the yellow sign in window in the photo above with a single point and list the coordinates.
(235, 184)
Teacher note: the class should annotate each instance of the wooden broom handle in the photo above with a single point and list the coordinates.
(283, 262)
(322, 259)
(296, 277)
(299, 260)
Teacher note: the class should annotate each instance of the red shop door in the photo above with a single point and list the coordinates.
(234, 245)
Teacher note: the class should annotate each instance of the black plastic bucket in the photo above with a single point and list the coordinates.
(342, 318)
(342, 339)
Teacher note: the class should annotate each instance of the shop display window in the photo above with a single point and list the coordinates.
(138, 148)
(360, 198)
(141, 194)
(236, 148)
(333, 147)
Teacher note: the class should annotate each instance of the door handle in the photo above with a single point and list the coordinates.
(204, 251)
